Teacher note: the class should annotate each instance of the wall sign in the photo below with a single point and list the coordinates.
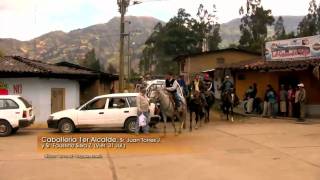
(293, 49)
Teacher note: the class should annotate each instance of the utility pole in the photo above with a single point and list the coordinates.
(123, 5)
(129, 57)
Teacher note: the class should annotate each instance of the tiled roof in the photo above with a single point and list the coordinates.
(17, 64)
(273, 65)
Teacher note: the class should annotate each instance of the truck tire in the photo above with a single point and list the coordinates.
(130, 125)
(66, 126)
(5, 128)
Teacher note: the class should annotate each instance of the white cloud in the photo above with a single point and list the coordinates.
(26, 19)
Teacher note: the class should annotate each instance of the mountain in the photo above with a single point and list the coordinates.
(72, 46)
(104, 38)
(230, 31)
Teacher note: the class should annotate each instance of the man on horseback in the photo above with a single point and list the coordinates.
(227, 86)
(208, 84)
(198, 86)
(172, 86)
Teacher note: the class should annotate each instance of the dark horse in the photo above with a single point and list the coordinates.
(229, 101)
(210, 101)
(195, 105)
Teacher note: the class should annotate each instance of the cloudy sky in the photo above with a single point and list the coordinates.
(26, 19)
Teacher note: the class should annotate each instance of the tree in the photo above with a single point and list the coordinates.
(215, 39)
(254, 25)
(310, 24)
(181, 35)
(111, 69)
(168, 41)
(279, 30)
(90, 61)
(208, 28)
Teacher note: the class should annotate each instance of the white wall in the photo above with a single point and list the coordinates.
(38, 92)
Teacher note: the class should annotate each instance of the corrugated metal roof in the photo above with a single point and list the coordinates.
(17, 64)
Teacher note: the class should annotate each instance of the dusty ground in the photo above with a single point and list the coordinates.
(249, 150)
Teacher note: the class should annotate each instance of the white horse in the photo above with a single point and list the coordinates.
(168, 110)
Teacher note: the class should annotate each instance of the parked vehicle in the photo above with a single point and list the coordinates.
(108, 111)
(15, 113)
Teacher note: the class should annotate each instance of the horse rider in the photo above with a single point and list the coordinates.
(208, 84)
(172, 85)
(198, 86)
(227, 86)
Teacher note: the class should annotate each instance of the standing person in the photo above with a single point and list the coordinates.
(296, 103)
(256, 103)
(142, 108)
(283, 100)
(272, 100)
(171, 86)
(250, 98)
(265, 103)
(302, 102)
(290, 98)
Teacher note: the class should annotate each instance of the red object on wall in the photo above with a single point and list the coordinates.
(17, 89)
(4, 92)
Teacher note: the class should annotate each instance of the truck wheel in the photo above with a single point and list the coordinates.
(130, 125)
(66, 126)
(14, 130)
(5, 128)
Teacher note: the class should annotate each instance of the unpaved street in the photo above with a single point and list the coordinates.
(250, 150)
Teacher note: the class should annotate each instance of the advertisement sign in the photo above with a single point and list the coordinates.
(293, 49)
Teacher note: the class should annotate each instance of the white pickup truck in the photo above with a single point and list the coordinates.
(15, 113)
(106, 111)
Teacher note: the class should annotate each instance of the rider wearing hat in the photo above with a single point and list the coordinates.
(172, 86)
(227, 85)
(208, 84)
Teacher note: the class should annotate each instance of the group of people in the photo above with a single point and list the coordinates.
(199, 85)
(287, 102)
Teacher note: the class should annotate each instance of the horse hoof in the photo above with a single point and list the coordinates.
(196, 127)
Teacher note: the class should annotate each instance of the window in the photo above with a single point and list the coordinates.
(8, 104)
(25, 102)
(132, 101)
(220, 60)
(96, 104)
(118, 103)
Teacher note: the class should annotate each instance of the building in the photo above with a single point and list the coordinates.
(51, 88)
(208, 61)
(275, 73)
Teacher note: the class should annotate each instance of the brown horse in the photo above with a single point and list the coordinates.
(195, 105)
(229, 101)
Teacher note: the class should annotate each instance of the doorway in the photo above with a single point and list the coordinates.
(57, 99)
(289, 80)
